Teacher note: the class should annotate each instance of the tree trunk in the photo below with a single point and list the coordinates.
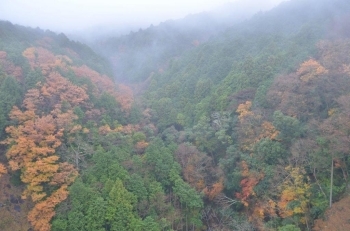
(331, 188)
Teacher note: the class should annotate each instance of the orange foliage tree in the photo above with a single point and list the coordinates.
(40, 126)
(58, 90)
(122, 93)
(43, 211)
(39, 57)
(250, 179)
(214, 190)
(3, 170)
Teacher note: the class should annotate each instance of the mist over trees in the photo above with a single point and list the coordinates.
(203, 123)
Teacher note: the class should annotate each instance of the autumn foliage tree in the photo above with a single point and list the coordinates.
(295, 196)
(252, 127)
(310, 69)
(198, 170)
(41, 123)
(44, 59)
(249, 181)
(214, 190)
(122, 93)
(3, 170)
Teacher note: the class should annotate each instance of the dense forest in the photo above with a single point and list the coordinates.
(188, 125)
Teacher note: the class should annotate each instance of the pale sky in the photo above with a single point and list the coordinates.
(70, 15)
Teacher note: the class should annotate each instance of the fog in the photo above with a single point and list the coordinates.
(73, 16)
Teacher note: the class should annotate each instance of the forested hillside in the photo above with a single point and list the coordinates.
(136, 55)
(55, 102)
(237, 128)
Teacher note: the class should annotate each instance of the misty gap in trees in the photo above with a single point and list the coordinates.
(189, 125)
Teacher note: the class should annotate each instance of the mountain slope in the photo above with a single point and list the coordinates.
(247, 129)
(48, 97)
(270, 43)
(76, 152)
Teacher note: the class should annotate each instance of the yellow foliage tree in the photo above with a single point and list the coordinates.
(295, 188)
(244, 110)
(310, 69)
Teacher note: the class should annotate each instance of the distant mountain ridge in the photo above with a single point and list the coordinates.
(146, 50)
(136, 55)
